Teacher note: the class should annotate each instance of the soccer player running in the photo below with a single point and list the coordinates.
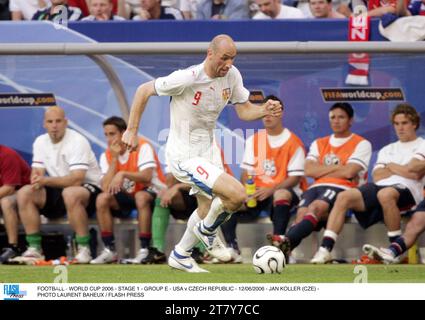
(394, 189)
(336, 163)
(199, 94)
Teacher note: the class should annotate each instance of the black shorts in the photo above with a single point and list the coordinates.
(55, 207)
(190, 203)
(373, 213)
(324, 193)
(126, 204)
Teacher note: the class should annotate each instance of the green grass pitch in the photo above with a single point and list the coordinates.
(243, 273)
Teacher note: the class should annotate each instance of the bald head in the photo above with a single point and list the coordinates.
(222, 41)
(55, 110)
(55, 123)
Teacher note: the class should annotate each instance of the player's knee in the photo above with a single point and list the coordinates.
(7, 204)
(282, 194)
(142, 199)
(71, 196)
(236, 201)
(344, 199)
(385, 196)
(24, 195)
(102, 200)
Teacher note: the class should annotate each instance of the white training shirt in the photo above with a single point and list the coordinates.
(401, 153)
(27, 7)
(361, 156)
(146, 160)
(197, 101)
(286, 12)
(296, 164)
(73, 152)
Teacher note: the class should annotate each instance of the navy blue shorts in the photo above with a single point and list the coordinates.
(373, 213)
(324, 193)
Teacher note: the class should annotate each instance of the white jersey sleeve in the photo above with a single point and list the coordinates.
(175, 83)
(362, 154)
(103, 163)
(248, 160)
(146, 157)
(38, 154)
(383, 158)
(239, 93)
(296, 164)
(313, 153)
(420, 154)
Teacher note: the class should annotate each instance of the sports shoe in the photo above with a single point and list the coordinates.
(106, 256)
(184, 263)
(7, 253)
(154, 257)
(197, 255)
(212, 243)
(235, 254)
(282, 243)
(142, 254)
(209, 259)
(83, 255)
(322, 256)
(30, 256)
(381, 254)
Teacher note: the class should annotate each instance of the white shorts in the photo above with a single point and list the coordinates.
(198, 172)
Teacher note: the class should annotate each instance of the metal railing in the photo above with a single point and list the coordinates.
(96, 50)
(200, 47)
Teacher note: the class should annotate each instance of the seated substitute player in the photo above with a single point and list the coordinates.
(275, 158)
(336, 163)
(70, 188)
(130, 180)
(414, 228)
(14, 173)
(395, 188)
(199, 94)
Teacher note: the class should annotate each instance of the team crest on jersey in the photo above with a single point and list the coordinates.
(128, 186)
(226, 94)
(269, 167)
(330, 159)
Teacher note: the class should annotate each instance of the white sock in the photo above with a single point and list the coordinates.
(189, 240)
(215, 211)
(396, 233)
(330, 234)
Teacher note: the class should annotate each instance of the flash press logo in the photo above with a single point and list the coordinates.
(12, 292)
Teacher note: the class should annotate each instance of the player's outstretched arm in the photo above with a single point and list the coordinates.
(248, 111)
(143, 93)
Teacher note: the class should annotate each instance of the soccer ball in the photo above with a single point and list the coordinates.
(268, 259)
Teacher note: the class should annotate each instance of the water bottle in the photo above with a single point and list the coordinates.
(412, 254)
(250, 190)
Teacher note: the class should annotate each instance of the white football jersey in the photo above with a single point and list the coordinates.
(401, 153)
(196, 103)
